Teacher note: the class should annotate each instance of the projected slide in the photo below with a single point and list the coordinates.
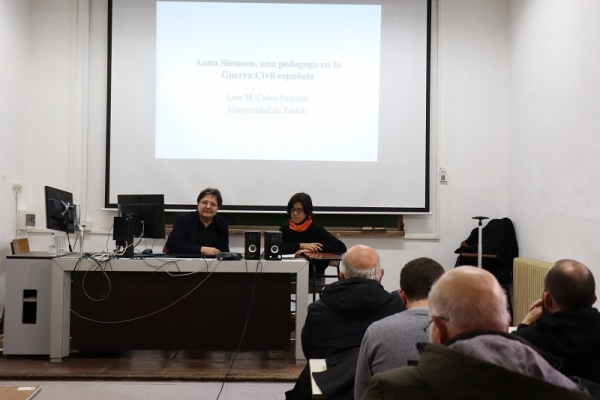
(242, 81)
(266, 99)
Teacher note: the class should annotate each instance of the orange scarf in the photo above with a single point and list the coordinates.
(302, 227)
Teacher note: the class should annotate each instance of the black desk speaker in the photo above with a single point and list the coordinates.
(273, 245)
(252, 245)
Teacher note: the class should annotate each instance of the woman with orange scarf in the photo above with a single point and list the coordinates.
(302, 235)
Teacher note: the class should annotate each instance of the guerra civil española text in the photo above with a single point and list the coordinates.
(281, 65)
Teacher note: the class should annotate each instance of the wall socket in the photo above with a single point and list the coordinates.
(87, 225)
(443, 175)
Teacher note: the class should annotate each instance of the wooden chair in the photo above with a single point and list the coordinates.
(317, 287)
(333, 377)
(316, 365)
(20, 246)
(334, 260)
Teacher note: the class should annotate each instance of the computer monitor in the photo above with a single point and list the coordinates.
(148, 211)
(140, 215)
(60, 210)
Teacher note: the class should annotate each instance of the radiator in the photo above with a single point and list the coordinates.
(528, 284)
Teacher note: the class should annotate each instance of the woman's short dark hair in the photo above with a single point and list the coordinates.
(301, 198)
(212, 191)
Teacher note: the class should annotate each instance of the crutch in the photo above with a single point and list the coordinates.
(480, 241)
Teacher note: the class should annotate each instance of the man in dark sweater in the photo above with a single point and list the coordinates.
(337, 322)
(201, 231)
(564, 323)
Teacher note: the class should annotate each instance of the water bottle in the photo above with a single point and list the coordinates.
(52, 245)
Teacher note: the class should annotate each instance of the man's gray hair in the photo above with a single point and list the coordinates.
(352, 271)
(466, 315)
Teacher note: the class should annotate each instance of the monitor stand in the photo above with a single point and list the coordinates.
(81, 232)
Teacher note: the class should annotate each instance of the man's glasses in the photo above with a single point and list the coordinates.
(206, 203)
(427, 327)
(296, 210)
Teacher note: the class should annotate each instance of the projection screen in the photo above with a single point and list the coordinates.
(266, 99)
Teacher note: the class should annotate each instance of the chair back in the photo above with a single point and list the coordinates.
(20, 246)
(499, 243)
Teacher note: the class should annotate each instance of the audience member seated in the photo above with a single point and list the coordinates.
(564, 323)
(337, 321)
(201, 231)
(392, 342)
(471, 355)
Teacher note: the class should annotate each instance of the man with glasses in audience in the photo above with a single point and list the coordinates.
(392, 341)
(470, 355)
(201, 231)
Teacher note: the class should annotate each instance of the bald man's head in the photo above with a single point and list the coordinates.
(361, 262)
(571, 285)
(469, 299)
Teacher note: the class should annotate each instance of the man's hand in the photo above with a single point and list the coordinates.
(535, 311)
(209, 251)
(310, 247)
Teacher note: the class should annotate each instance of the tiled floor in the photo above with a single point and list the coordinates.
(155, 366)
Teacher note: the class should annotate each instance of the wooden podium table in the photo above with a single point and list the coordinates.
(323, 256)
(174, 304)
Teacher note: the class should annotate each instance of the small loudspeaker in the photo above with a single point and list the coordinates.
(252, 245)
(273, 245)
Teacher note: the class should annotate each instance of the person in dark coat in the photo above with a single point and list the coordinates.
(201, 231)
(337, 322)
(470, 355)
(564, 323)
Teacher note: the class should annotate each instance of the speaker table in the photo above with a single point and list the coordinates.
(136, 274)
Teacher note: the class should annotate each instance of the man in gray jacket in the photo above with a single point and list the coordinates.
(392, 341)
(470, 355)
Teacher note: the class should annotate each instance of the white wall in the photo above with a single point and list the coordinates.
(14, 76)
(472, 132)
(472, 124)
(554, 130)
